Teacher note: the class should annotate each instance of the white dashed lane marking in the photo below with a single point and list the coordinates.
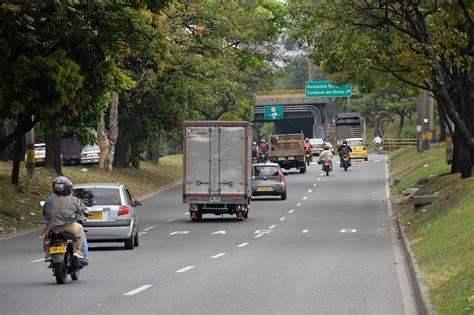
(140, 289)
(37, 260)
(282, 219)
(179, 232)
(217, 256)
(170, 220)
(242, 245)
(348, 230)
(272, 226)
(304, 198)
(259, 235)
(185, 269)
(310, 191)
(305, 231)
(291, 211)
(149, 228)
(319, 178)
(298, 204)
(314, 185)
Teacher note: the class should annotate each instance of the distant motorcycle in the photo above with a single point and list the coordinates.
(346, 161)
(327, 167)
(377, 148)
(61, 251)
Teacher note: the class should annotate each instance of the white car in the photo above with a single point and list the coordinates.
(90, 154)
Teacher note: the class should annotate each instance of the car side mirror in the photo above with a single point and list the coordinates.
(137, 203)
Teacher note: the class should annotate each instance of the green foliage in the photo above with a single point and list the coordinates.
(267, 130)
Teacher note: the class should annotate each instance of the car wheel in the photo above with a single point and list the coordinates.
(366, 158)
(284, 196)
(303, 170)
(135, 240)
(129, 244)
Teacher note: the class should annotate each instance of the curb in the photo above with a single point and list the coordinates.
(423, 303)
(168, 186)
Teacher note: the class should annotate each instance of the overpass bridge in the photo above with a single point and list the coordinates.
(309, 115)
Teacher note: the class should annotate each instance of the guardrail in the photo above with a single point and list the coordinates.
(393, 144)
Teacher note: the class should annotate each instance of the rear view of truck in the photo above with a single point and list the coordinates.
(288, 151)
(217, 168)
(349, 125)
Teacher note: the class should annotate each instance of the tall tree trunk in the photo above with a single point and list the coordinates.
(4, 154)
(24, 124)
(401, 124)
(113, 128)
(442, 124)
(104, 144)
(125, 138)
(18, 146)
(53, 152)
(155, 151)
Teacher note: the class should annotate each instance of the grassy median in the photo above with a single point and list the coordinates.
(19, 206)
(441, 234)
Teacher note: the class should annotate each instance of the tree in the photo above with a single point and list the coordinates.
(425, 44)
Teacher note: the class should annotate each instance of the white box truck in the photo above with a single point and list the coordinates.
(217, 157)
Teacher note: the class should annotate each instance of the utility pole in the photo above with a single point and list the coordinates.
(424, 121)
(30, 153)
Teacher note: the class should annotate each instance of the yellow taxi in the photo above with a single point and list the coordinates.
(359, 148)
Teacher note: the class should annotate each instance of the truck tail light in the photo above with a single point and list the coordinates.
(123, 210)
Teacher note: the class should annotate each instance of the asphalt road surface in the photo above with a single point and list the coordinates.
(330, 248)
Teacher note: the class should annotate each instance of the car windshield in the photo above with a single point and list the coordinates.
(266, 170)
(98, 196)
(316, 141)
(355, 142)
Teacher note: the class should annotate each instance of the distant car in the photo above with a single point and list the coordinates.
(40, 153)
(90, 154)
(317, 145)
(268, 179)
(359, 148)
(112, 214)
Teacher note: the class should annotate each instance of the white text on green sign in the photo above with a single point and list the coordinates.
(326, 89)
(273, 112)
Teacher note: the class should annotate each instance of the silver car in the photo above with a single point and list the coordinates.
(268, 179)
(90, 154)
(112, 214)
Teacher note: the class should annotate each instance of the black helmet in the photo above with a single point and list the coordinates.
(326, 147)
(344, 142)
(62, 186)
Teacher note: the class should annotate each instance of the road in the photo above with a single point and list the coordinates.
(330, 248)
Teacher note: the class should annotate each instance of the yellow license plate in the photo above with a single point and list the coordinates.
(57, 249)
(95, 215)
(265, 189)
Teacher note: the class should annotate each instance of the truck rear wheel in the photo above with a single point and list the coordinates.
(303, 170)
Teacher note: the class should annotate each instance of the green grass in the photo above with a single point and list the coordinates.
(20, 209)
(441, 234)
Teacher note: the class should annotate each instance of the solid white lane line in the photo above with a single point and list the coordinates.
(305, 231)
(259, 235)
(272, 226)
(170, 220)
(185, 269)
(149, 228)
(304, 198)
(217, 256)
(291, 211)
(298, 204)
(310, 191)
(282, 219)
(37, 260)
(140, 289)
(242, 245)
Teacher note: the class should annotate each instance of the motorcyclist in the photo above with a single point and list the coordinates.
(343, 150)
(63, 211)
(263, 150)
(255, 150)
(307, 146)
(326, 155)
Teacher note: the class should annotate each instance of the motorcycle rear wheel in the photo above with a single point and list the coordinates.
(60, 272)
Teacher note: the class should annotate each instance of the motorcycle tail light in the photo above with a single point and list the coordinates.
(123, 210)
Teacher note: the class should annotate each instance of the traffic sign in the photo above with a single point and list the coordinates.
(273, 112)
(326, 89)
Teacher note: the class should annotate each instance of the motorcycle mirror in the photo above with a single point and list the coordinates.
(137, 203)
(42, 203)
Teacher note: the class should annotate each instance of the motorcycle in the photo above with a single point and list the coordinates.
(377, 148)
(309, 157)
(327, 166)
(63, 262)
(346, 162)
(262, 157)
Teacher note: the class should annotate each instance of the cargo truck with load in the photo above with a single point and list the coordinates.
(288, 151)
(349, 125)
(217, 160)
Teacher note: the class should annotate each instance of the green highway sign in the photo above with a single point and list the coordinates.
(273, 112)
(326, 89)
